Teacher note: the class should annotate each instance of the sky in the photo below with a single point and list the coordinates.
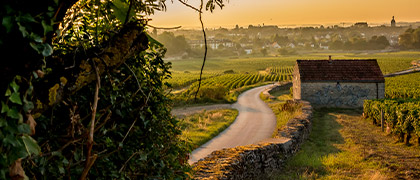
(289, 13)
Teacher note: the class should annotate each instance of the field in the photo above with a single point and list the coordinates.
(389, 62)
(405, 87)
(223, 77)
(401, 109)
(342, 145)
(226, 87)
(186, 78)
(199, 128)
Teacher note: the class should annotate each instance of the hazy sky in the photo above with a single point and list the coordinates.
(288, 12)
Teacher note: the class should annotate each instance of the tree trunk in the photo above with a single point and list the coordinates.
(401, 138)
(418, 141)
(407, 139)
(65, 81)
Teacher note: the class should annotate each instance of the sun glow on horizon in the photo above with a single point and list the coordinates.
(290, 12)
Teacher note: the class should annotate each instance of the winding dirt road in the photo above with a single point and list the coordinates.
(255, 122)
(408, 71)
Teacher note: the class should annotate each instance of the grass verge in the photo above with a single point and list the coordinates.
(283, 111)
(201, 127)
(331, 152)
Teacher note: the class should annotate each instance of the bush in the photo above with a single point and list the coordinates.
(229, 72)
(287, 51)
(216, 92)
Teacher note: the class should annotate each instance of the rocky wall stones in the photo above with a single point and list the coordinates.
(256, 161)
(340, 94)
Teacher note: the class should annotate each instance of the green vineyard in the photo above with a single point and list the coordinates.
(182, 79)
(222, 87)
(281, 70)
(405, 87)
(401, 108)
(401, 117)
(233, 81)
(229, 81)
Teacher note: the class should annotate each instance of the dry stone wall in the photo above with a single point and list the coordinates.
(343, 95)
(256, 161)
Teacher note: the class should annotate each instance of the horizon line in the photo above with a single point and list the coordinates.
(296, 25)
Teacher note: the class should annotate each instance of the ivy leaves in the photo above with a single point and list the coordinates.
(152, 139)
(16, 142)
(31, 145)
(14, 97)
(27, 24)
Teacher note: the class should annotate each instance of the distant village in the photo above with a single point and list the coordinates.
(272, 40)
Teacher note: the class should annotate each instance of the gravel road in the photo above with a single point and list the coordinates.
(255, 122)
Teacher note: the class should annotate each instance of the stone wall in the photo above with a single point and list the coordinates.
(257, 161)
(276, 87)
(340, 94)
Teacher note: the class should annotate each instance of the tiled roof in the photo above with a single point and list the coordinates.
(340, 70)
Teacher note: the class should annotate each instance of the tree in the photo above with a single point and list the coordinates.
(175, 45)
(264, 52)
(337, 44)
(416, 38)
(286, 51)
(281, 40)
(410, 39)
(378, 42)
(84, 91)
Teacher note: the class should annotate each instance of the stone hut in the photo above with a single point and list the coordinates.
(338, 83)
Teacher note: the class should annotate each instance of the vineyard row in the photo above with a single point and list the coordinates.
(401, 117)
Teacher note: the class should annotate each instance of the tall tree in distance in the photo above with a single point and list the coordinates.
(410, 39)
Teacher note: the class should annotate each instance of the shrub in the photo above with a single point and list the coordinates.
(216, 92)
(229, 71)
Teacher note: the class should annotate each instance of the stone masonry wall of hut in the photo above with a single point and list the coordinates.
(340, 94)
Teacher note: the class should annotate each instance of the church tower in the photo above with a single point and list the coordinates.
(393, 22)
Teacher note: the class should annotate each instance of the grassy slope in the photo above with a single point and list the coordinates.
(201, 127)
(343, 145)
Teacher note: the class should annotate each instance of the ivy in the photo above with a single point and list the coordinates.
(135, 136)
(15, 98)
(31, 145)
(16, 142)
